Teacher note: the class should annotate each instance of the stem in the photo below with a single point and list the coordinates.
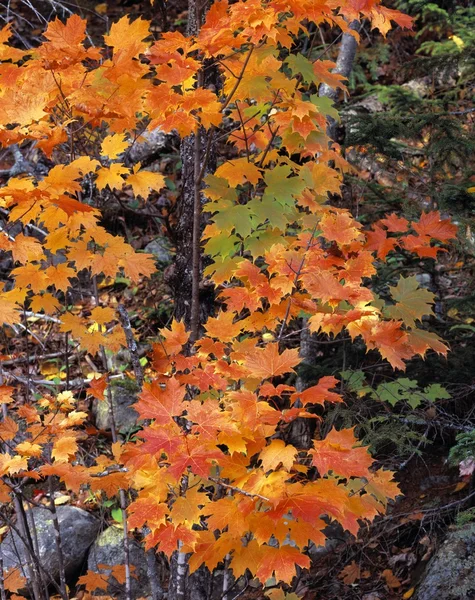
(131, 344)
(58, 543)
(31, 565)
(196, 243)
(2, 580)
(122, 498)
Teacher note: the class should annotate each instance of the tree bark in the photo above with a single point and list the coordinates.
(189, 289)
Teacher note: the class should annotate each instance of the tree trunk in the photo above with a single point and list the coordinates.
(187, 276)
(191, 294)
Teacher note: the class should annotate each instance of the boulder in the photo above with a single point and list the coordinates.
(108, 552)
(78, 531)
(160, 248)
(450, 574)
(124, 394)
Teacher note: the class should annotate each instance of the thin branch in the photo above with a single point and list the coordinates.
(238, 490)
(131, 344)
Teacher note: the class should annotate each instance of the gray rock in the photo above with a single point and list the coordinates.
(450, 574)
(108, 551)
(160, 248)
(78, 531)
(124, 393)
(151, 143)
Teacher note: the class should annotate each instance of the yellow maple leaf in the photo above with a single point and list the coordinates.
(113, 145)
(144, 181)
(63, 448)
(276, 453)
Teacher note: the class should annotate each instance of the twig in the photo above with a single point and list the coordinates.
(131, 344)
(29, 314)
(2, 580)
(238, 490)
(122, 498)
(58, 542)
(296, 278)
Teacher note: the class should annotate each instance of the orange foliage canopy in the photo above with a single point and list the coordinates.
(214, 450)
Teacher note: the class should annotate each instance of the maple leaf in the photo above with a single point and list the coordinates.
(224, 511)
(73, 476)
(46, 302)
(110, 484)
(378, 240)
(391, 342)
(167, 537)
(263, 363)
(111, 176)
(318, 394)
(161, 402)
(144, 181)
(14, 580)
(323, 72)
(137, 264)
(395, 224)
(26, 249)
(113, 145)
(238, 171)
(8, 427)
(93, 581)
(175, 337)
(350, 573)
(210, 551)
(340, 228)
(430, 224)
(64, 448)
(281, 562)
(12, 465)
(196, 455)
(30, 276)
(420, 341)
(72, 33)
(338, 453)
(222, 327)
(6, 392)
(188, 509)
(276, 453)
(149, 510)
(160, 439)
(125, 33)
(412, 302)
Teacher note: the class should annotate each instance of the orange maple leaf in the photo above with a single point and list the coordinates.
(161, 402)
(339, 453)
(263, 363)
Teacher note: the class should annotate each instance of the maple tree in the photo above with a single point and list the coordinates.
(212, 473)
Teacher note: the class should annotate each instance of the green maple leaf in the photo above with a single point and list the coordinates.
(237, 218)
(267, 210)
(436, 392)
(393, 392)
(262, 240)
(281, 186)
(299, 64)
(412, 302)
(325, 106)
(223, 244)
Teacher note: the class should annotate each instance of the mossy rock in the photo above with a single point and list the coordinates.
(108, 552)
(78, 530)
(124, 395)
(450, 574)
